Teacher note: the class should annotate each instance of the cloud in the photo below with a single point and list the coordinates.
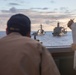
(5, 0)
(67, 11)
(14, 4)
(11, 10)
(63, 8)
(49, 18)
(55, 9)
(41, 15)
(45, 8)
(52, 1)
(35, 8)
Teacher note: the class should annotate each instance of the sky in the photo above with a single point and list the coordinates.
(46, 12)
(39, 5)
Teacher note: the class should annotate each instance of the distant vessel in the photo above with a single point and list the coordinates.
(40, 31)
(59, 31)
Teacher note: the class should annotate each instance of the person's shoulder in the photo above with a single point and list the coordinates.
(35, 44)
(30, 40)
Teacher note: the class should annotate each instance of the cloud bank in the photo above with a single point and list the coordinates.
(47, 19)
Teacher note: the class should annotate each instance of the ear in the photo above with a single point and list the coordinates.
(6, 31)
(28, 34)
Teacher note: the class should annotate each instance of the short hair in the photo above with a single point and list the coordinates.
(19, 23)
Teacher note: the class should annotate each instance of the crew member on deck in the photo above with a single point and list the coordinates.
(22, 55)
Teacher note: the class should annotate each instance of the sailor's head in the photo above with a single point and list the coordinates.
(19, 23)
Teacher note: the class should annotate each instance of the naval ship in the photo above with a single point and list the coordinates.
(59, 31)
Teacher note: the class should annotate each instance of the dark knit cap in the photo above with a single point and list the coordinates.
(19, 23)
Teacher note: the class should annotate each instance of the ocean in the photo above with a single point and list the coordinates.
(2, 34)
(49, 40)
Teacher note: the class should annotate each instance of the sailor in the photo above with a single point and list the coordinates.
(22, 55)
(57, 30)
